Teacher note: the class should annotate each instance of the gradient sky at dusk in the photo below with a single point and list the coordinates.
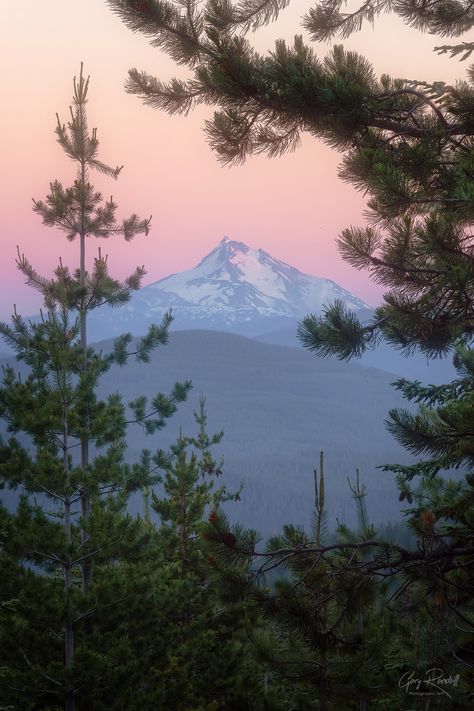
(293, 207)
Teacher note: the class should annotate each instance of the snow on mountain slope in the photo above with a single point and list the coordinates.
(235, 276)
(234, 288)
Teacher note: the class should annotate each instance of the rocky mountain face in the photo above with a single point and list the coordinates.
(234, 288)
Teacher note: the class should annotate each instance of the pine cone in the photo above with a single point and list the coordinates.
(229, 539)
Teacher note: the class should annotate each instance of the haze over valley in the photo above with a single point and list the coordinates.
(234, 336)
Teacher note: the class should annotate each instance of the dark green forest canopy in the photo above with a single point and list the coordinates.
(407, 145)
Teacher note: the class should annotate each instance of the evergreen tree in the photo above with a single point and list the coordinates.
(189, 490)
(347, 621)
(441, 512)
(71, 511)
(310, 644)
(200, 661)
(79, 212)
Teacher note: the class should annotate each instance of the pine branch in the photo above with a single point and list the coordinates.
(326, 21)
(466, 49)
(245, 15)
(174, 97)
(337, 332)
(165, 26)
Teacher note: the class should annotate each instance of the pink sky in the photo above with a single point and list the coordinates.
(294, 207)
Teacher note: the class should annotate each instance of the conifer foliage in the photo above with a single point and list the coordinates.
(408, 145)
(80, 212)
(65, 459)
(345, 617)
(202, 642)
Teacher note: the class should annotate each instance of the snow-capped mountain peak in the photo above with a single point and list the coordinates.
(232, 266)
(236, 288)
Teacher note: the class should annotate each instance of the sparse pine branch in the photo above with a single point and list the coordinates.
(337, 332)
(245, 15)
(326, 20)
(166, 24)
(454, 50)
(175, 97)
(162, 407)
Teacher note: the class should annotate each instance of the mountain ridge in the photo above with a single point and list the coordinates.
(233, 288)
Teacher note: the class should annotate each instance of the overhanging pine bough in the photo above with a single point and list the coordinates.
(407, 144)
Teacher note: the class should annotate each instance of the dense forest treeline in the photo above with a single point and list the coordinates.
(101, 609)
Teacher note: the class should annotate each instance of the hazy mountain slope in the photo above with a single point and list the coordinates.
(384, 357)
(279, 407)
(233, 288)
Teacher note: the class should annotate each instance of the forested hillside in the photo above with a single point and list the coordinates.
(278, 408)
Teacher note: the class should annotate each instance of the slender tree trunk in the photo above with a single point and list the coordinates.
(362, 700)
(85, 498)
(69, 631)
(183, 534)
(146, 504)
(319, 510)
(68, 627)
(323, 704)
